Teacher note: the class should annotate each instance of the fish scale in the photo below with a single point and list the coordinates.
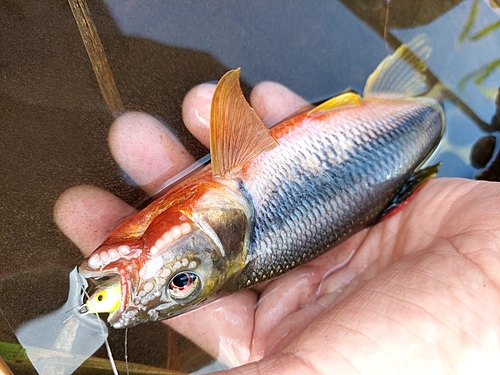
(313, 192)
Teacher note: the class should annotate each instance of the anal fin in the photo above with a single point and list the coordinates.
(416, 181)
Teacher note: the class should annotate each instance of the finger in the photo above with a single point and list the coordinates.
(146, 150)
(223, 328)
(87, 214)
(279, 364)
(274, 102)
(149, 153)
(196, 111)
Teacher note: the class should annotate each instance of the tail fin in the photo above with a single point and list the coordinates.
(401, 74)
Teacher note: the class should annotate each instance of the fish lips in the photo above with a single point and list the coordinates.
(110, 271)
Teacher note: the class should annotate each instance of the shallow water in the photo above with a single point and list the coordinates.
(54, 122)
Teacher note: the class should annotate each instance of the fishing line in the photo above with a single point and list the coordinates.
(74, 308)
(126, 351)
(172, 181)
(7, 321)
(110, 355)
(106, 342)
(68, 318)
(386, 23)
(79, 312)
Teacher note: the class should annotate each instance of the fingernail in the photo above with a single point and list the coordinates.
(196, 111)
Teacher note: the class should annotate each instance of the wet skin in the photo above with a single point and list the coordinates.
(421, 293)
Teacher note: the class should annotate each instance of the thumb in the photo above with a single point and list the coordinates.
(282, 363)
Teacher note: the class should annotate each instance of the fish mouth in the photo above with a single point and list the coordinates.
(96, 281)
(125, 315)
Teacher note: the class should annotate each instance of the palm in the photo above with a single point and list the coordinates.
(421, 283)
(421, 292)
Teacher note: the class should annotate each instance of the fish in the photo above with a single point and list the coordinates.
(271, 199)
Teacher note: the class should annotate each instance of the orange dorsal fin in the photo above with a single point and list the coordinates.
(237, 134)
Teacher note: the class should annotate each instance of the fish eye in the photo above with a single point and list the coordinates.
(183, 285)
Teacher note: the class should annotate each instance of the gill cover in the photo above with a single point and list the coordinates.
(202, 263)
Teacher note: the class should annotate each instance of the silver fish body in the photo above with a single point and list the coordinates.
(331, 177)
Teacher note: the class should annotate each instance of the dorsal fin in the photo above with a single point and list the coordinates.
(342, 100)
(237, 134)
(401, 74)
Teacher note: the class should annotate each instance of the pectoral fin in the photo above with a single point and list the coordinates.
(237, 134)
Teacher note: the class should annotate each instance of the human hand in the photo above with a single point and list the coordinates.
(420, 294)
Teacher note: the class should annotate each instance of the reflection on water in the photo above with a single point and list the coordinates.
(54, 122)
(474, 80)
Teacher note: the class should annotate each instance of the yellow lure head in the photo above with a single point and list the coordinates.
(106, 298)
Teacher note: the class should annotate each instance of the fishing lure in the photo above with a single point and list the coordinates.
(105, 299)
(271, 199)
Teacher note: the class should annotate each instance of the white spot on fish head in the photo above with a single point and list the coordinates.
(160, 244)
(153, 250)
(123, 249)
(94, 262)
(104, 257)
(185, 228)
(176, 232)
(113, 255)
(166, 272)
(167, 237)
(148, 287)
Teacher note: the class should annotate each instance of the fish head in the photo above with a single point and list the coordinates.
(190, 253)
